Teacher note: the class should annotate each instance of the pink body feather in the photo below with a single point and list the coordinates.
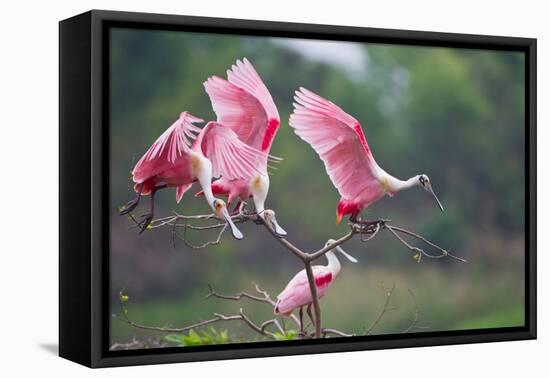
(244, 104)
(297, 293)
(339, 141)
(169, 161)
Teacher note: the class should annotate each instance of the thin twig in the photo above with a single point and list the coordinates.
(384, 310)
(327, 331)
(183, 221)
(236, 297)
(372, 236)
(261, 329)
(444, 252)
(323, 251)
(372, 229)
(288, 245)
(203, 245)
(414, 322)
(266, 298)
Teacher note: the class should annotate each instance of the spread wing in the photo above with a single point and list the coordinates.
(339, 141)
(172, 145)
(230, 157)
(244, 104)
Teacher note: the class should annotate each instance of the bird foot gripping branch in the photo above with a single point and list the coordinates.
(364, 228)
(368, 226)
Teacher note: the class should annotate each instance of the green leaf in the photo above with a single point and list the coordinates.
(288, 335)
(176, 339)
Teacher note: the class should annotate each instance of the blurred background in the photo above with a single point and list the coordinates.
(456, 115)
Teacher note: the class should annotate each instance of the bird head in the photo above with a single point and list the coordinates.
(339, 249)
(220, 210)
(424, 182)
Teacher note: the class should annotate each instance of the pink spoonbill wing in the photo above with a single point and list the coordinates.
(172, 145)
(230, 157)
(339, 141)
(245, 105)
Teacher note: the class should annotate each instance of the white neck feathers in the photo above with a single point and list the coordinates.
(333, 263)
(395, 185)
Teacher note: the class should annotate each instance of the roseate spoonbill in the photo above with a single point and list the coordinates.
(297, 293)
(339, 141)
(173, 162)
(243, 103)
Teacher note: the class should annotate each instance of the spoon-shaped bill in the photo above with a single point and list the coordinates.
(278, 229)
(269, 217)
(435, 198)
(237, 234)
(348, 256)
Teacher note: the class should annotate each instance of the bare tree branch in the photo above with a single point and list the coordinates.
(288, 245)
(444, 252)
(139, 344)
(328, 331)
(241, 316)
(262, 328)
(384, 310)
(266, 298)
(367, 232)
(203, 245)
(323, 251)
(315, 298)
(414, 322)
(236, 297)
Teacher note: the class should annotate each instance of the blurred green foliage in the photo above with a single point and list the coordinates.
(287, 335)
(207, 336)
(454, 114)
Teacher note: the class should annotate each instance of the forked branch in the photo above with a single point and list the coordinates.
(260, 328)
(180, 224)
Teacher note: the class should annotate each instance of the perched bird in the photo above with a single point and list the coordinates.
(172, 161)
(244, 104)
(297, 292)
(339, 141)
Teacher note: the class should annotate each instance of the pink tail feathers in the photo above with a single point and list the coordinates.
(278, 308)
(282, 308)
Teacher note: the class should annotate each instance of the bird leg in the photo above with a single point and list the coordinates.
(301, 313)
(131, 205)
(308, 310)
(259, 219)
(148, 217)
(237, 208)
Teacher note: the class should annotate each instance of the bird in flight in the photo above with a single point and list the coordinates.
(243, 103)
(339, 141)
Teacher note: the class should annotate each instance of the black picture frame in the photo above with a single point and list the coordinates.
(84, 187)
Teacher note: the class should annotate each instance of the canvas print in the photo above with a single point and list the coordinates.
(267, 189)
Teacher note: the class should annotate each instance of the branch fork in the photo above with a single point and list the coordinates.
(367, 230)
